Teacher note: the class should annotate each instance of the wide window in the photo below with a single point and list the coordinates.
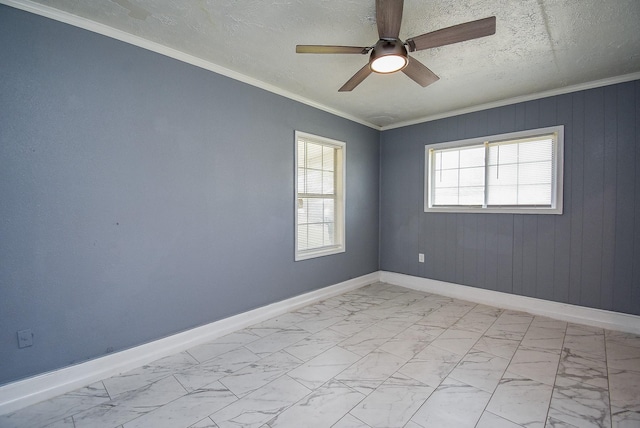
(319, 205)
(519, 173)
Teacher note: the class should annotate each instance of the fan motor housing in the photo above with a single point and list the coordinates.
(388, 47)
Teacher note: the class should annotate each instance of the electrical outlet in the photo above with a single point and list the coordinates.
(421, 257)
(25, 338)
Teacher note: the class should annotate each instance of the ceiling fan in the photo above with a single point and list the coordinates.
(389, 54)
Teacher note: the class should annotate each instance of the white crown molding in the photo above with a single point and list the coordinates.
(77, 21)
(523, 98)
(17, 395)
(561, 311)
(105, 30)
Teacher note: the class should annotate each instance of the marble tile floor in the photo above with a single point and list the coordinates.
(378, 356)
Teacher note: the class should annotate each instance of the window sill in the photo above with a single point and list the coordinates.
(506, 210)
(321, 252)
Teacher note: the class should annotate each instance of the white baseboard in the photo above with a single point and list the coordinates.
(29, 391)
(561, 311)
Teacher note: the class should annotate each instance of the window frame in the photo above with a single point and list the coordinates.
(557, 169)
(340, 197)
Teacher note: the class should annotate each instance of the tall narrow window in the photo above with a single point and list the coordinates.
(319, 204)
(518, 173)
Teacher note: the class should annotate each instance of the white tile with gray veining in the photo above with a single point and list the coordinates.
(580, 404)
(497, 346)
(583, 368)
(321, 321)
(260, 373)
(584, 340)
(324, 367)
(489, 420)
(624, 394)
(521, 400)
(277, 341)
(371, 371)
(393, 403)
(186, 410)
(431, 366)
(315, 344)
(350, 421)
(262, 405)
(131, 405)
(444, 407)
(322, 408)
(367, 340)
(195, 377)
(147, 374)
(481, 370)
(536, 364)
(353, 324)
(456, 340)
(411, 341)
(57, 409)
(204, 423)
(222, 345)
(377, 356)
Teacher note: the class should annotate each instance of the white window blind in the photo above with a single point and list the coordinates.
(319, 196)
(519, 172)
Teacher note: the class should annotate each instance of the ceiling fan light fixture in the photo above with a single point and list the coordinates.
(388, 56)
(388, 64)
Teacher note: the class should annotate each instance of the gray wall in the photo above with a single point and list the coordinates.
(588, 256)
(142, 196)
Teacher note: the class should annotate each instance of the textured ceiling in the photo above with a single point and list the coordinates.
(539, 46)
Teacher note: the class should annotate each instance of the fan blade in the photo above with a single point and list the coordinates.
(457, 33)
(389, 17)
(356, 79)
(322, 49)
(420, 73)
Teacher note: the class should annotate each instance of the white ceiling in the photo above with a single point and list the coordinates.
(539, 46)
